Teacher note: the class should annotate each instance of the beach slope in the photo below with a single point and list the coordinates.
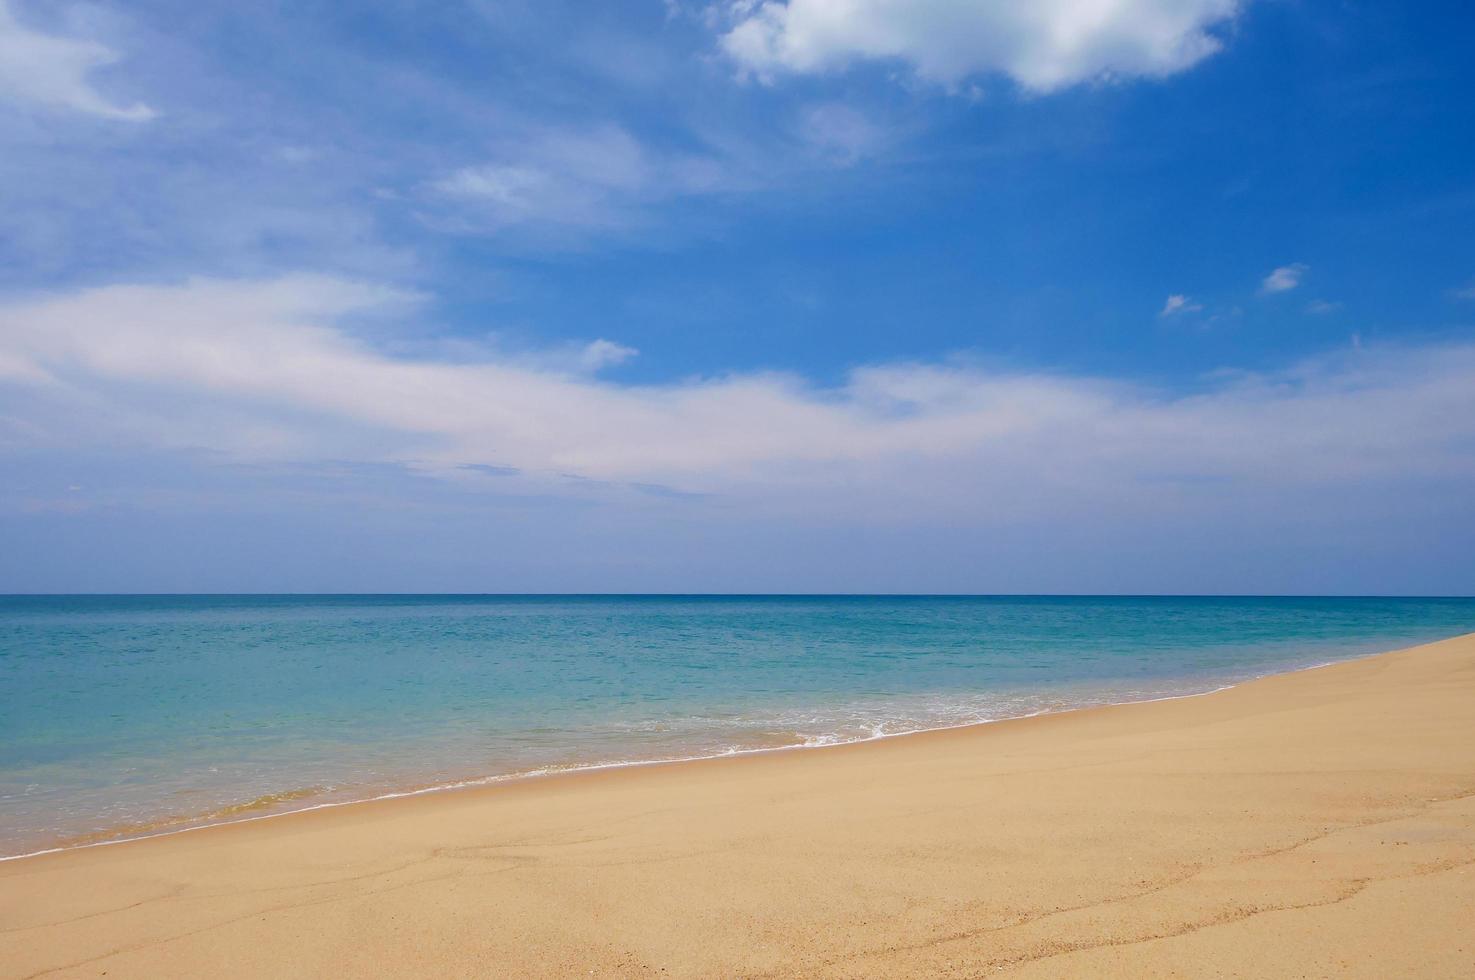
(1320, 823)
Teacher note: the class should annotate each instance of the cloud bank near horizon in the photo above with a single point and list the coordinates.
(288, 370)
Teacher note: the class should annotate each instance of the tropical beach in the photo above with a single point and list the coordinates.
(737, 488)
(1315, 823)
(132, 716)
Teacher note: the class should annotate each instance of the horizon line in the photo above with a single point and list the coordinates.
(739, 595)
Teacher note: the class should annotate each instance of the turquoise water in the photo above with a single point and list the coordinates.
(128, 715)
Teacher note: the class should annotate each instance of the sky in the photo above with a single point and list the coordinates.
(941, 296)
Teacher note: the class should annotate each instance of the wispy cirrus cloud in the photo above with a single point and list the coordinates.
(603, 177)
(595, 177)
(54, 72)
(1042, 46)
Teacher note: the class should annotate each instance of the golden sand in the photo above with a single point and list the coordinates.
(1313, 824)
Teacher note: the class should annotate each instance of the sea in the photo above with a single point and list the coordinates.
(131, 716)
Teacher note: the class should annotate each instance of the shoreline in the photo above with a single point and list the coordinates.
(497, 781)
(1316, 821)
(190, 736)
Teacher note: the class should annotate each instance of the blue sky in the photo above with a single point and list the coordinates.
(1145, 296)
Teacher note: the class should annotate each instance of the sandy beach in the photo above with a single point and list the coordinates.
(1320, 823)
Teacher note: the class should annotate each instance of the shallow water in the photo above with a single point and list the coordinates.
(121, 716)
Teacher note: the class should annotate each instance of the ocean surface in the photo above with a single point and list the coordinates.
(123, 716)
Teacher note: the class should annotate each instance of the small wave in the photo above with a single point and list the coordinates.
(948, 714)
(179, 821)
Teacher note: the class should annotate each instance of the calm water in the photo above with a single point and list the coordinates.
(129, 715)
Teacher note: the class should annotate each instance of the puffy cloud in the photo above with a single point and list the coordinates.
(1042, 45)
(50, 71)
(262, 371)
(1179, 303)
(1284, 278)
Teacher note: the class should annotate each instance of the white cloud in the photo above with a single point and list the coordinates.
(272, 371)
(1042, 45)
(602, 177)
(601, 353)
(1322, 307)
(1285, 278)
(50, 71)
(1178, 303)
(1464, 292)
(595, 177)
